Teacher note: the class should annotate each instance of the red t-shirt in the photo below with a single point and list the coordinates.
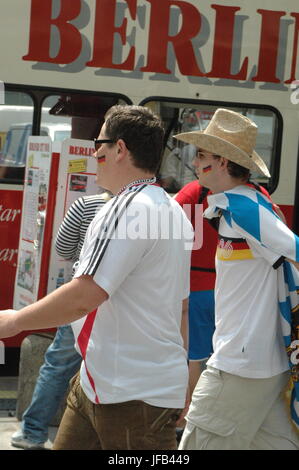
(204, 258)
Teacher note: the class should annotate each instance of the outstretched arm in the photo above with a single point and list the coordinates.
(68, 303)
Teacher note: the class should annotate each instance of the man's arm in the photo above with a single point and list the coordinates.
(185, 323)
(185, 334)
(68, 303)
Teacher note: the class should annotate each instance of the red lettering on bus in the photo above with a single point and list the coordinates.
(223, 45)
(295, 49)
(159, 38)
(104, 32)
(269, 44)
(40, 32)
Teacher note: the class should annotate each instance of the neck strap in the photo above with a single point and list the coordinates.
(136, 183)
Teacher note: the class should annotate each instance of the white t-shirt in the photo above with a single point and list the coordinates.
(132, 347)
(248, 339)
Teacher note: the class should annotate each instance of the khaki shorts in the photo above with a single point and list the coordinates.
(230, 412)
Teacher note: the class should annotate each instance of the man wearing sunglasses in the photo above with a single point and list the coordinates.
(127, 301)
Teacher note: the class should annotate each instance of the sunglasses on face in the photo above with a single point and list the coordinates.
(99, 142)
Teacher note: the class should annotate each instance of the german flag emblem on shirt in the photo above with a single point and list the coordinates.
(229, 249)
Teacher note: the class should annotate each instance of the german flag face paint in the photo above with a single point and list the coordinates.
(101, 159)
(206, 169)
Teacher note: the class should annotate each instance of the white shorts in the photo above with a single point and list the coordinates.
(228, 412)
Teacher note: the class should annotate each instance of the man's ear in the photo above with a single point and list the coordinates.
(121, 149)
(223, 162)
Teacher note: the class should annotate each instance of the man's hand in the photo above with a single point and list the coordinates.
(7, 323)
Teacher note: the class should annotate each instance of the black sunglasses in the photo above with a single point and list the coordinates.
(99, 142)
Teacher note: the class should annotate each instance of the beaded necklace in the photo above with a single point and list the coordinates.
(137, 183)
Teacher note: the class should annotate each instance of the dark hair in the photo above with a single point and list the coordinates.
(235, 170)
(141, 130)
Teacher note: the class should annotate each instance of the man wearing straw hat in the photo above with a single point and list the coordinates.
(238, 402)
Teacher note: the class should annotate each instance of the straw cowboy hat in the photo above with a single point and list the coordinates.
(230, 135)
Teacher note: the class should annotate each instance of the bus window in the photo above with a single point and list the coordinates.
(60, 135)
(58, 128)
(177, 170)
(266, 122)
(16, 117)
(62, 116)
(75, 115)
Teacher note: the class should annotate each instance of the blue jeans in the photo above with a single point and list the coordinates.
(61, 363)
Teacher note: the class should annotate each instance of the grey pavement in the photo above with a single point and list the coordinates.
(8, 420)
(10, 424)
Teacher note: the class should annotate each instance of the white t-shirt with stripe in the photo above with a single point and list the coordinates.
(131, 346)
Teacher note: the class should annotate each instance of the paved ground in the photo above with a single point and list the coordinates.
(8, 421)
(10, 424)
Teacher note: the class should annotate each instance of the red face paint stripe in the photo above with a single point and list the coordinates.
(207, 168)
(101, 159)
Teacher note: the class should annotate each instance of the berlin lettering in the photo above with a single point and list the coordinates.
(84, 151)
(159, 39)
